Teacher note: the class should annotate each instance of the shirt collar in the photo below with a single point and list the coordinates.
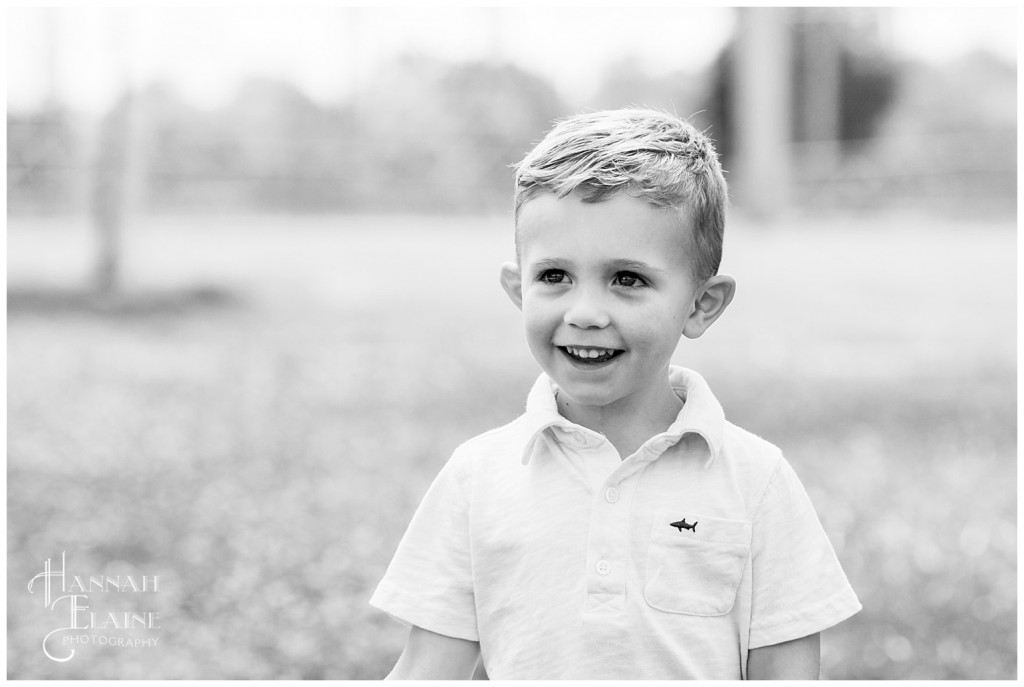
(701, 414)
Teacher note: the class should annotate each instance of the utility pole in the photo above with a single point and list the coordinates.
(762, 170)
(110, 194)
(117, 170)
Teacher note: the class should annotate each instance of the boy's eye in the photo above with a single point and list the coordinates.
(629, 280)
(552, 276)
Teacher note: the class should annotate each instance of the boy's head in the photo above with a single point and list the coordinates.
(618, 238)
(643, 153)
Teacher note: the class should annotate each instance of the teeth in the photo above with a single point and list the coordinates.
(589, 352)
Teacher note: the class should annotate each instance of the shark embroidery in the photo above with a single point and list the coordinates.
(683, 525)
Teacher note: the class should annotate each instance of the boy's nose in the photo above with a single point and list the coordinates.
(586, 311)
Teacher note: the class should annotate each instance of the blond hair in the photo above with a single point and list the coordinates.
(648, 154)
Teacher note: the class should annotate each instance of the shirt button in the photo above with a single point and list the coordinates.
(603, 567)
(611, 495)
(579, 439)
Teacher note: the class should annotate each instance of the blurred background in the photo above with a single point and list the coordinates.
(252, 303)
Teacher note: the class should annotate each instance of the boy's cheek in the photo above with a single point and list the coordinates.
(534, 309)
(536, 328)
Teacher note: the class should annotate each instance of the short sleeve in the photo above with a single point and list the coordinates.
(799, 588)
(429, 582)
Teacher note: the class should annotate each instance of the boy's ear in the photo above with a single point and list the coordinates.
(512, 281)
(712, 298)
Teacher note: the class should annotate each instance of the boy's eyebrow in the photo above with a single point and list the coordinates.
(619, 264)
(548, 263)
(636, 265)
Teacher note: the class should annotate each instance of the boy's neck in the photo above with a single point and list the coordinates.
(629, 422)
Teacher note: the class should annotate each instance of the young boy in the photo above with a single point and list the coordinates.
(621, 527)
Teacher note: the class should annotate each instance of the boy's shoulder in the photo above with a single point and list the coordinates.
(500, 443)
(742, 445)
(752, 459)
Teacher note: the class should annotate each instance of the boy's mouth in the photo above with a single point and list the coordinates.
(590, 355)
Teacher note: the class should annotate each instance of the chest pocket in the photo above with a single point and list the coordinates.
(695, 563)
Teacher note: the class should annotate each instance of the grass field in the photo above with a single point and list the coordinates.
(257, 417)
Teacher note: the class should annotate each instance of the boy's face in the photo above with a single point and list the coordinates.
(606, 291)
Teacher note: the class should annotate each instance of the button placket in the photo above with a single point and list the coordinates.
(608, 544)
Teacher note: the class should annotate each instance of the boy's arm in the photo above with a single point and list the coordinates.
(430, 656)
(799, 659)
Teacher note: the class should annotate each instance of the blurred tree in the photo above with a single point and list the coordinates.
(270, 147)
(442, 137)
(192, 160)
(498, 110)
(868, 84)
(949, 141)
(44, 158)
(421, 135)
(402, 129)
(292, 146)
(626, 83)
(719, 105)
(975, 92)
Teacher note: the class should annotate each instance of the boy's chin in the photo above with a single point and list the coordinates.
(590, 393)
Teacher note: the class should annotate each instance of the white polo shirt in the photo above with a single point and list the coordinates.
(565, 561)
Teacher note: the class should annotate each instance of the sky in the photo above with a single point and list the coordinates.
(83, 55)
